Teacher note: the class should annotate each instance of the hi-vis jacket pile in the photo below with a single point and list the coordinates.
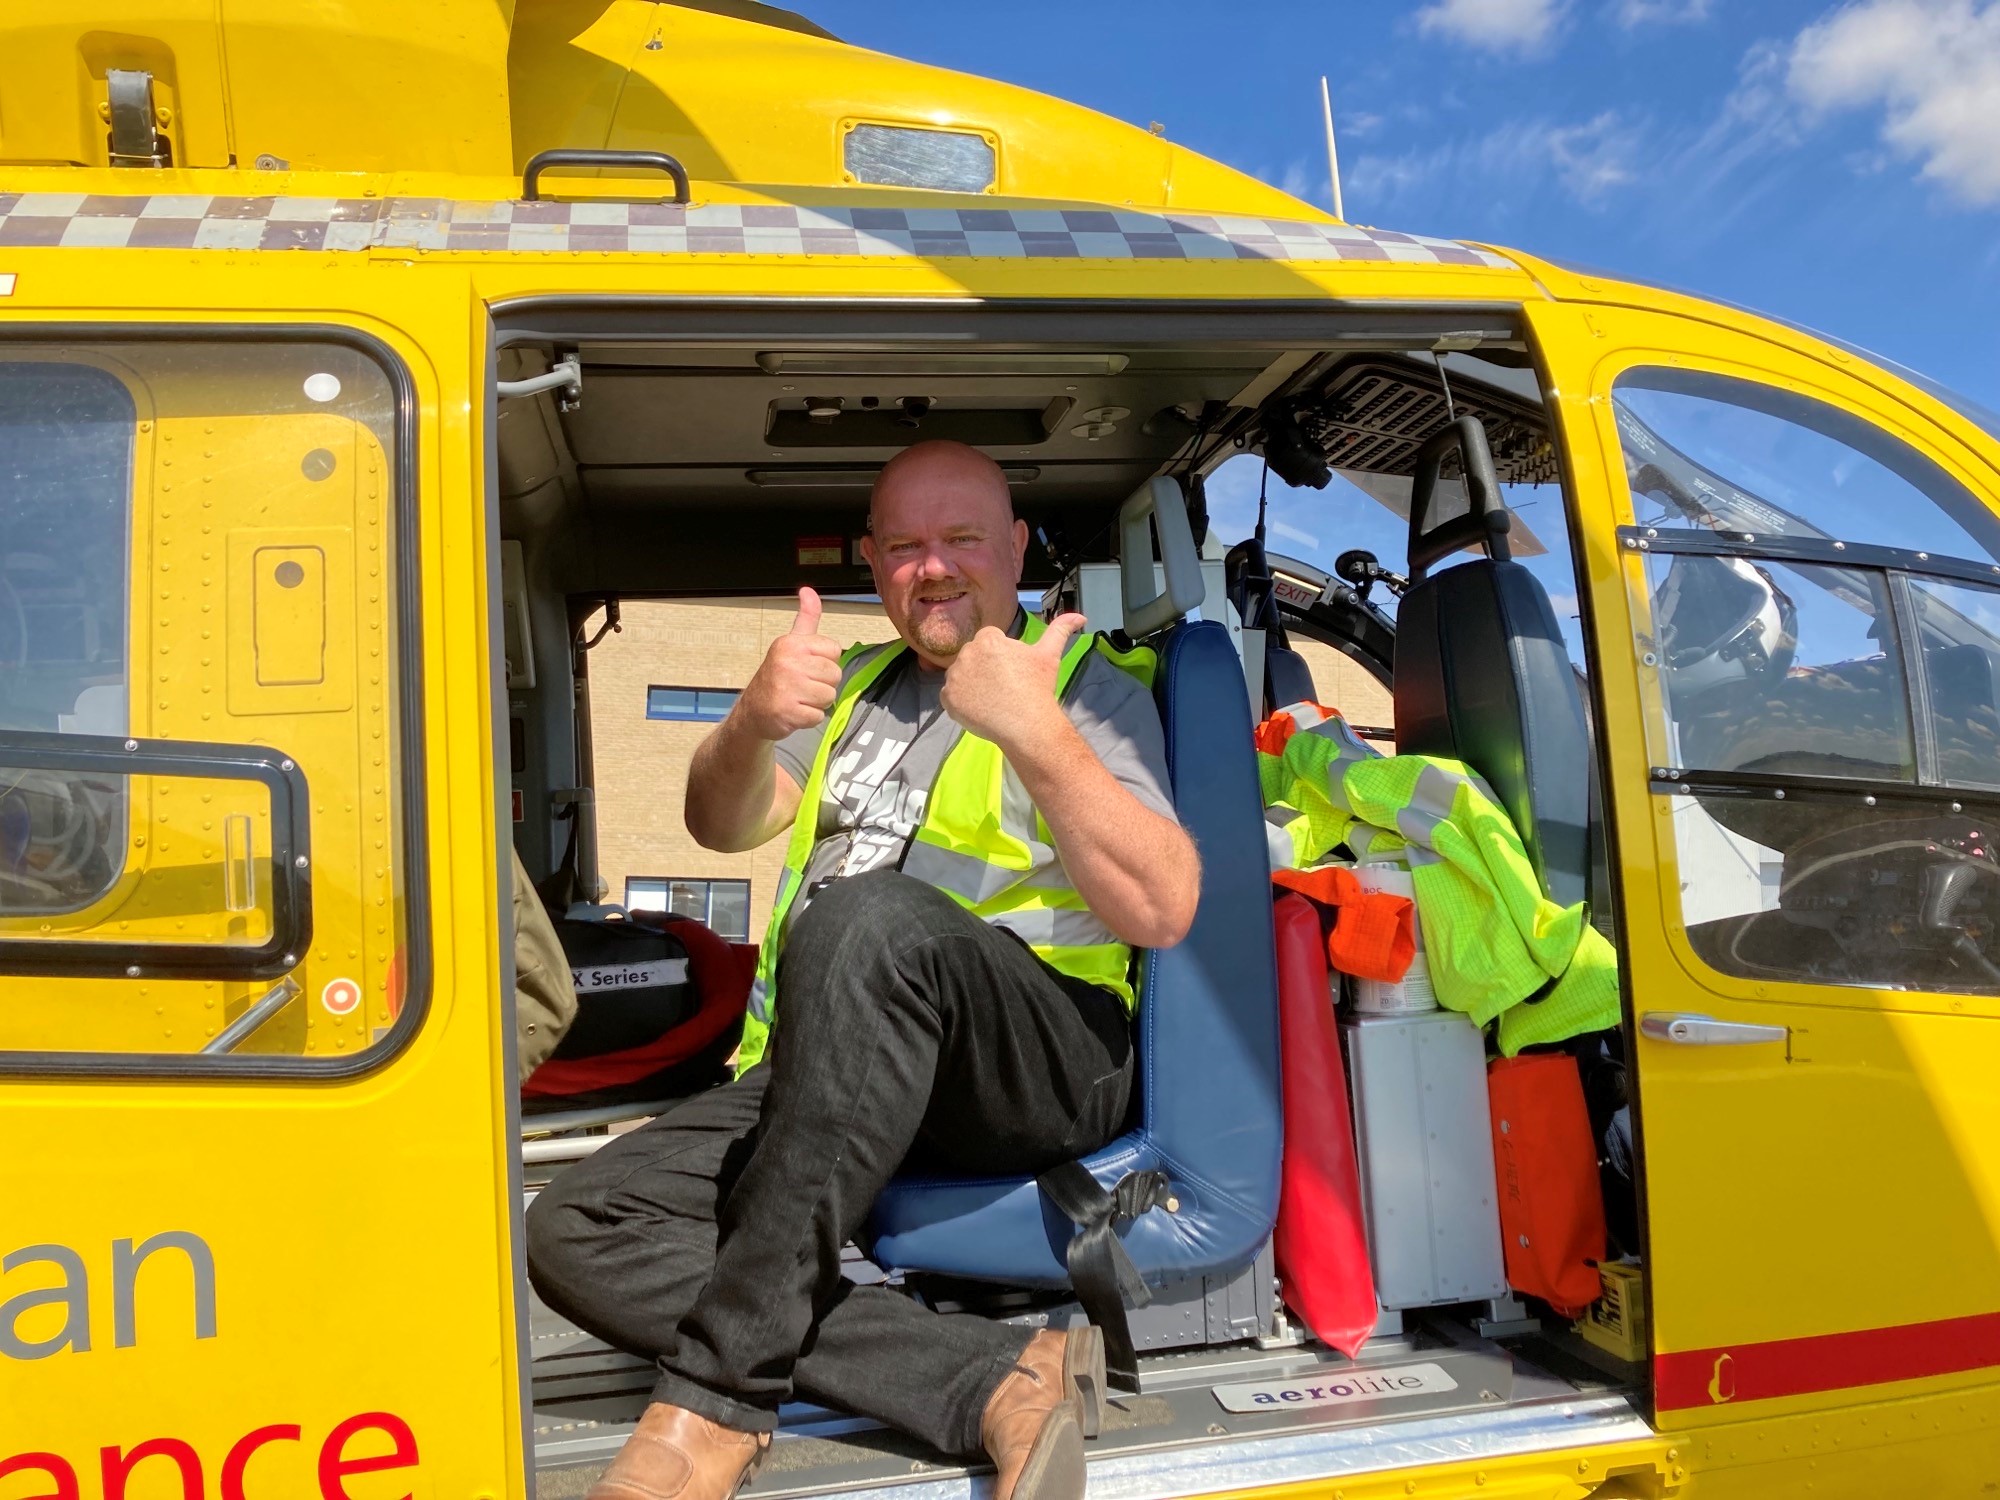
(1498, 947)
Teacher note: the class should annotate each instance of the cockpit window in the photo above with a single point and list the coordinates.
(1821, 641)
(1983, 417)
(1779, 668)
(1708, 451)
(1959, 626)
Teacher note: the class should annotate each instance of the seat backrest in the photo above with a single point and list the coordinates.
(1208, 1018)
(1246, 573)
(1287, 678)
(1482, 674)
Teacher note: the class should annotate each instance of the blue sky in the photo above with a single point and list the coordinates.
(1837, 165)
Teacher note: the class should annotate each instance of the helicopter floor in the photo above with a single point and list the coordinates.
(1202, 1421)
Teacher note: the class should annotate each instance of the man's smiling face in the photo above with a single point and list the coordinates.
(945, 548)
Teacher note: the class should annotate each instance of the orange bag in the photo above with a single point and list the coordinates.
(1551, 1200)
(1374, 932)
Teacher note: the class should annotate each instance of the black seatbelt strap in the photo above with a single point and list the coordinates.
(1100, 1267)
(562, 888)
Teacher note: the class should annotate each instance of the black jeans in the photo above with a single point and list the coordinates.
(906, 1031)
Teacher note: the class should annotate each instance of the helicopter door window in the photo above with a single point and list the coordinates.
(207, 731)
(1710, 452)
(66, 435)
(1778, 668)
(1960, 627)
(1818, 702)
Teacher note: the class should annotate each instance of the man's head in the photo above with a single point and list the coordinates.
(944, 546)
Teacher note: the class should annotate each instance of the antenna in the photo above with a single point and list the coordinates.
(1332, 152)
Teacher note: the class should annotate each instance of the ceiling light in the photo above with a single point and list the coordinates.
(859, 476)
(835, 362)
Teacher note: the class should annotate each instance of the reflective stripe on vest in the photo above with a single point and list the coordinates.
(981, 842)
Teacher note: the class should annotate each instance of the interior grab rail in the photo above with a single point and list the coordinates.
(238, 1031)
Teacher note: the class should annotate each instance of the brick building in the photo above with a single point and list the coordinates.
(658, 687)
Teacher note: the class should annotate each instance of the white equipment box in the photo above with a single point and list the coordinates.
(1425, 1141)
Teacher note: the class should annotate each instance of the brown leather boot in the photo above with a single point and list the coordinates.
(1035, 1421)
(673, 1454)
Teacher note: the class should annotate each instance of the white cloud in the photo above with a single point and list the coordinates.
(1496, 25)
(1299, 181)
(1594, 157)
(1588, 159)
(1377, 181)
(1932, 66)
(1725, 165)
(1631, 13)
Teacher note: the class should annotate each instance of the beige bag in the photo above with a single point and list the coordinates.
(544, 996)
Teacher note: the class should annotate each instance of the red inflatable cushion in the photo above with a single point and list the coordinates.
(1321, 1243)
(721, 972)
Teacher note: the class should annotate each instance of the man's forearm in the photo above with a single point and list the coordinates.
(1137, 871)
(731, 789)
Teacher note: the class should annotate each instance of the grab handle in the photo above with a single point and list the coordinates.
(564, 156)
(1686, 1030)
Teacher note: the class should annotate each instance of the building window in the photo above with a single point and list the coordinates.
(723, 904)
(693, 705)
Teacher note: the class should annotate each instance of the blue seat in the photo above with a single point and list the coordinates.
(1208, 1107)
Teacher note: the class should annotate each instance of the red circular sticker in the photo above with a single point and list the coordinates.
(340, 996)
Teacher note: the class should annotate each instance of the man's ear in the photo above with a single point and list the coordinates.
(1020, 549)
(868, 556)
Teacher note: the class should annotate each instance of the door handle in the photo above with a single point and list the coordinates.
(1686, 1030)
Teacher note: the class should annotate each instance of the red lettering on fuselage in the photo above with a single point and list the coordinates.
(56, 1470)
(331, 1465)
(334, 1465)
(118, 1465)
(239, 1456)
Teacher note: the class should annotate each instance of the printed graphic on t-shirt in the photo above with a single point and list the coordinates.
(879, 807)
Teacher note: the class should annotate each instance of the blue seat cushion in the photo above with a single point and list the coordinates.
(1208, 1112)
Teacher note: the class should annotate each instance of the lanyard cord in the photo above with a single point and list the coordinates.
(874, 697)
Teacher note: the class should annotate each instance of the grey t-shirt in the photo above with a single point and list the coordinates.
(878, 778)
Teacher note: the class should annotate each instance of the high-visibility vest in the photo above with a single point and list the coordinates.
(981, 842)
(1496, 944)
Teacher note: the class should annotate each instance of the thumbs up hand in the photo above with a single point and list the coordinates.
(806, 621)
(797, 681)
(1004, 690)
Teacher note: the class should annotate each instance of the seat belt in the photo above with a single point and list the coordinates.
(1101, 1269)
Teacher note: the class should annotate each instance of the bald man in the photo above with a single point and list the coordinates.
(915, 1014)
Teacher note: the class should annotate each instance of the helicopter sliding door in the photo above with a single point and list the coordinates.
(1792, 562)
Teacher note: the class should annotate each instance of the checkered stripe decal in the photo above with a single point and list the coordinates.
(170, 221)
